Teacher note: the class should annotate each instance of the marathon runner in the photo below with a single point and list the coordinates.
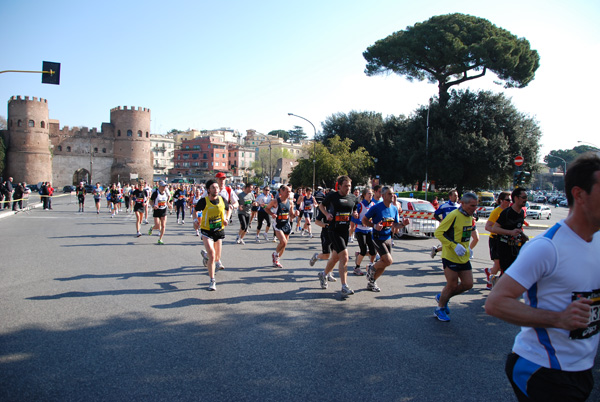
(282, 210)
(263, 200)
(80, 192)
(364, 234)
(307, 203)
(160, 201)
(139, 205)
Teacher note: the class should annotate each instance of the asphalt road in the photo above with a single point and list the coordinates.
(91, 313)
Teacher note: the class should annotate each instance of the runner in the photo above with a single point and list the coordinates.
(148, 191)
(97, 197)
(127, 195)
(80, 191)
(338, 206)
(491, 274)
(263, 216)
(282, 210)
(297, 200)
(246, 201)
(556, 275)
(307, 203)
(354, 222)
(455, 232)
(180, 200)
(383, 218)
(139, 205)
(160, 201)
(364, 234)
(215, 216)
(197, 215)
(321, 220)
(228, 195)
(114, 200)
(441, 213)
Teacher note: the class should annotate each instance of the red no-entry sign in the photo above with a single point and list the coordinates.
(519, 160)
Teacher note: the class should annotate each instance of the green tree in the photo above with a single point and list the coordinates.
(452, 49)
(297, 134)
(266, 161)
(472, 141)
(333, 158)
(280, 133)
(568, 155)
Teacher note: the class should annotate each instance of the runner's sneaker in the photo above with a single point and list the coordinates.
(219, 265)
(138, 234)
(178, 221)
(313, 259)
(237, 240)
(150, 232)
(441, 315)
(197, 233)
(160, 242)
(311, 235)
(266, 236)
(242, 241)
(331, 278)
(351, 239)
(372, 286)
(358, 272)
(275, 256)
(487, 274)
(277, 264)
(437, 299)
(323, 280)
(433, 251)
(204, 257)
(213, 285)
(182, 222)
(346, 291)
(257, 239)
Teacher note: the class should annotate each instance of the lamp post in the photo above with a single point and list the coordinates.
(314, 148)
(589, 143)
(427, 151)
(564, 171)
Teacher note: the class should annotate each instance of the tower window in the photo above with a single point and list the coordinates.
(19, 123)
(146, 134)
(129, 133)
(95, 150)
(42, 124)
(139, 133)
(103, 150)
(31, 123)
(60, 147)
(119, 133)
(68, 149)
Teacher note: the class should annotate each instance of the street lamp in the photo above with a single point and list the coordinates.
(564, 171)
(589, 143)
(314, 148)
(427, 151)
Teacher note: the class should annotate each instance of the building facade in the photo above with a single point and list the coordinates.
(163, 151)
(39, 150)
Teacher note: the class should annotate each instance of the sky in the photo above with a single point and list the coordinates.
(246, 65)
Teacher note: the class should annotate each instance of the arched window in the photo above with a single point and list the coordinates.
(96, 150)
(19, 123)
(68, 149)
(60, 147)
(119, 133)
(103, 150)
(43, 124)
(139, 133)
(31, 123)
(146, 134)
(129, 133)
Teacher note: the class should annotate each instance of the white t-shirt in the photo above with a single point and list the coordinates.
(554, 268)
(225, 194)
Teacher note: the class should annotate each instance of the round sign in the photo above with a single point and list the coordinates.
(519, 160)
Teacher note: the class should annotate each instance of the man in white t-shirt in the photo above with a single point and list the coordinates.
(557, 274)
(231, 197)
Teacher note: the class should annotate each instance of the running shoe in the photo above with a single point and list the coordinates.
(313, 259)
(197, 233)
(323, 280)
(277, 264)
(275, 256)
(266, 236)
(204, 257)
(160, 242)
(178, 221)
(138, 234)
(352, 239)
(219, 265)
(150, 232)
(346, 291)
(311, 235)
(372, 286)
(237, 240)
(242, 241)
(213, 285)
(182, 222)
(331, 278)
(433, 251)
(441, 315)
(437, 299)
(358, 272)
(257, 239)
(487, 274)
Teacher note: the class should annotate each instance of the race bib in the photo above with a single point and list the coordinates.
(593, 326)
(386, 223)
(283, 217)
(308, 208)
(215, 223)
(342, 217)
(162, 204)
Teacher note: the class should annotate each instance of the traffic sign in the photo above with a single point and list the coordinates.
(519, 160)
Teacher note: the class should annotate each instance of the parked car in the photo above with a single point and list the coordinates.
(33, 188)
(563, 203)
(539, 198)
(89, 188)
(68, 189)
(418, 226)
(539, 212)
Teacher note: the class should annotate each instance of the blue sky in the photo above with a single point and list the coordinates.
(240, 64)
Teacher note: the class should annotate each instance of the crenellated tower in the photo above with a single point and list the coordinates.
(28, 157)
(131, 150)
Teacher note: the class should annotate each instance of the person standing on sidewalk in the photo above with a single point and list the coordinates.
(556, 274)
